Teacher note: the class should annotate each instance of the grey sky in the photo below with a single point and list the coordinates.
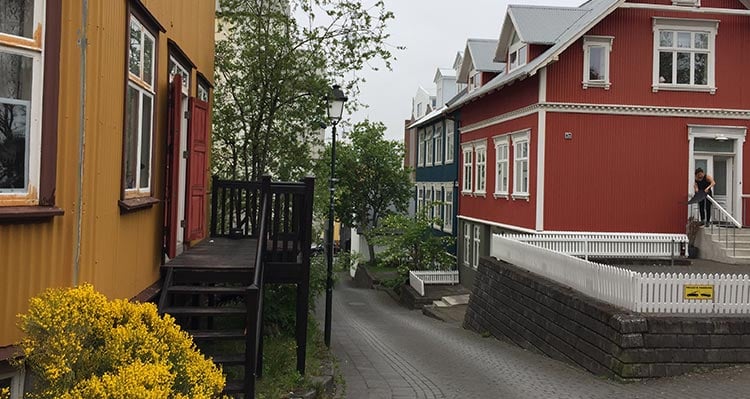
(432, 31)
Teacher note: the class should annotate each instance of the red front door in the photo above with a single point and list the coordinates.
(171, 195)
(197, 166)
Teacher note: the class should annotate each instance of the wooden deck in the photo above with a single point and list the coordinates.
(219, 253)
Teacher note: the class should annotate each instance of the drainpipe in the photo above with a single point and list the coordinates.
(83, 43)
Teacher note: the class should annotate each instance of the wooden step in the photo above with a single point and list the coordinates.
(237, 386)
(198, 289)
(205, 335)
(234, 275)
(204, 311)
(236, 359)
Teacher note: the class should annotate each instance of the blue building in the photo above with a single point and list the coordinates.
(434, 141)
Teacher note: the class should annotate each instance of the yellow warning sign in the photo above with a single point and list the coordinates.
(699, 292)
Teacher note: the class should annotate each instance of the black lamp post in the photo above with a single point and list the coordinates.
(336, 102)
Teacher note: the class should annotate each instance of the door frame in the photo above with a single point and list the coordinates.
(736, 133)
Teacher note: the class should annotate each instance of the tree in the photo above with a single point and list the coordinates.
(371, 179)
(273, 74)
(411, 243)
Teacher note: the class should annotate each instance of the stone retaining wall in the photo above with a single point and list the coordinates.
(538, 314)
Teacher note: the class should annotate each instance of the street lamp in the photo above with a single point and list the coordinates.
(336, 100)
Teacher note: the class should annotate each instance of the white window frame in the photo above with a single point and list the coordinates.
(439, 149)
(17, 383)
(518, 49)
(429, 147)
(477, 241)
(711, 27)
(448, 208)
(449, 141)
(144, 89)
(420, 198)
(475, 80)
(431, 204)
(467, 244)
(34, 49)
(604, 42)
(502, 148)
(480, 160)
(517, 139)
(420, 149)
(468, 169)
(437, 204)
(689, 3)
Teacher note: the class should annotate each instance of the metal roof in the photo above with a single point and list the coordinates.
(432, 116)
(482, 54)
(595, 11)
(543, 25)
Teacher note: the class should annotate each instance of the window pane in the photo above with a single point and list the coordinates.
(14, 144)
(522, 53)
(17, 17)
(513, 56)
(148, 59)
(146, 141)
(666, 39)
(131, 136)
(683, 40)
(701, 40)
(711, 145)
(135, 47)
(16, 72)
(665, 67)
(596, 63)
(15, 103)
(683, 68)
(701, 69)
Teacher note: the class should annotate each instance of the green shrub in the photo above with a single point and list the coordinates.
(80, 345)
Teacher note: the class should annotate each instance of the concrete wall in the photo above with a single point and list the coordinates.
(537, 314)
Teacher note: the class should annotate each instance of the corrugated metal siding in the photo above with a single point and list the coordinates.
(632, 65)
(120, 253)
(618, 173)
(517, 95)
(507, 211)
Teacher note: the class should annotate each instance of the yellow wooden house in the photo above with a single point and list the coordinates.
(104, 138)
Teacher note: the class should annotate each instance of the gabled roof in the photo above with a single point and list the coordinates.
(479, 56)
(460, 59)
(436, 114)
(444, 72)
(536, 25)
(596, 10)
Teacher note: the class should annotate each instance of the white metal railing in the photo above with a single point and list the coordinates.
(724, 219)
(638, 292)
(610, 245)
(418, 279)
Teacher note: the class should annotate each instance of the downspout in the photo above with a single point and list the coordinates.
(83, 43)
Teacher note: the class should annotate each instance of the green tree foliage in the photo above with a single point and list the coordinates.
(273, 72)
(371, 180)
(411, 243)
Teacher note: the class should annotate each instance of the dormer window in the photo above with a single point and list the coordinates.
(518, 53)
(475, 80)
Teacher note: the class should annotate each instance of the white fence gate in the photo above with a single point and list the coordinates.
(418, 279)
(639, 292)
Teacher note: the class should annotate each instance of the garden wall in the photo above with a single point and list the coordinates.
(540, 315)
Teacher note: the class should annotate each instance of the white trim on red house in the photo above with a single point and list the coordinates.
(495, 224)
(611, 109)
(540, 151)
(698, 10)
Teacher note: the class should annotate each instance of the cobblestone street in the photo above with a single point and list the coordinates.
(386, 351)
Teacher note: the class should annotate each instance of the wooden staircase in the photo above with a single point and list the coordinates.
(215, 290)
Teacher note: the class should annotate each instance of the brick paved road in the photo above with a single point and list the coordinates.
(386, 351)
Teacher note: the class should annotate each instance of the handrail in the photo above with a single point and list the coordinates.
(725, 212)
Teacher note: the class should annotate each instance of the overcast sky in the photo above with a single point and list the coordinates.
(432, 31)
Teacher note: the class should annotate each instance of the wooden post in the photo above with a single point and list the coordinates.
(214, 203)
(251, 340)
(303, 286)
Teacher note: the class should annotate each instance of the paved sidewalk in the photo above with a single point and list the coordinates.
(386, 351)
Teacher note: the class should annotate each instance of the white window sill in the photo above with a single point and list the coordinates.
(600, 85)
(698, 89)
(467, 193)
(520, 196)
(448, 161)
(501, 195)
(447, 230)
(438, 163)
(480, 194)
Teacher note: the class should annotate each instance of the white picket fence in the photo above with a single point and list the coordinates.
(418, 279)
(610, 245)
(638, 292)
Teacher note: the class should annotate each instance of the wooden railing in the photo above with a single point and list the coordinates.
(235, 207)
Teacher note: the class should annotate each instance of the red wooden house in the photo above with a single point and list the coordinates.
(601, 117)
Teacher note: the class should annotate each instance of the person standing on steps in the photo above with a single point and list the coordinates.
(705, 183)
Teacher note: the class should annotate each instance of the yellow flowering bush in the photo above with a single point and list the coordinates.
(83, 346)
(4, 393)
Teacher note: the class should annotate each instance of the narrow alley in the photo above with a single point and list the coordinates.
(386, 351)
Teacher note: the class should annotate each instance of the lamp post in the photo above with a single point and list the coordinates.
(336, 102)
